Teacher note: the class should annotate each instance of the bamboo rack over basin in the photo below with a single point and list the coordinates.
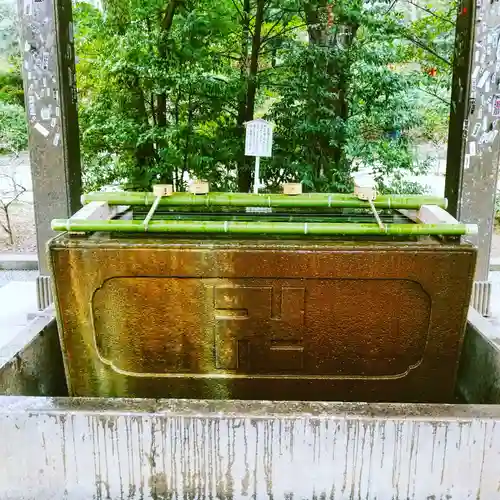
(275, 228)
(240, 296)
(312, 200)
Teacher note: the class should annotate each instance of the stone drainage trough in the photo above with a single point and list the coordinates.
(57, 447)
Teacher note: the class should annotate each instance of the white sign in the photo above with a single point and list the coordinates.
(259, 139)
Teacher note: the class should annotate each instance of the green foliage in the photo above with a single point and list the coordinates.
(120, 78)
(13, 129)
(13, 133)
(9, 39)
(344, 104)
(166, 86)
(11, 88)
(400, 186)
(434, 128)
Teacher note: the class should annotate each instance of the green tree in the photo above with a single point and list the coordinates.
(166, 87)
(343, 100)
(13, 130)
(152, 90)
(435, 31)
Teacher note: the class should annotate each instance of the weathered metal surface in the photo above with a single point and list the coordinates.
(116, 449)
(31, 364)
(275, 320)
(50, 90)
(474, 145)
(459, 110)
(479, 371)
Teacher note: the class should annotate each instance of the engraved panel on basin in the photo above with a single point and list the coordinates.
(156, 326)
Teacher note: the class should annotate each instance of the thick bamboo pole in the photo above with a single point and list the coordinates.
(256, 228)
(312, 200)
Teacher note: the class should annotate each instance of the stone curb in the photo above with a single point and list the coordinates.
(18, 262)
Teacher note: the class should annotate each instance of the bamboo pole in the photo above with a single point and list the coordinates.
(275, 217)
(311, 200)
(260, 228)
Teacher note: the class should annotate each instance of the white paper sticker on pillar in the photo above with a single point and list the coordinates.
(482, 80)
(496, 105)
(28, 5)
(472, 148)
(485, 123)
(45, 61)
(476, 129)
(467, 162)
(259, 138)
(32, 106)
(40, 128)
(57, 137)
(45, 113)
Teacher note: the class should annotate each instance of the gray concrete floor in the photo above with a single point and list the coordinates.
(8, 276)
(17, 301)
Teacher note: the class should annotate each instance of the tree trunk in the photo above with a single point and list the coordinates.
(319, 18)
(244, 179)
(8, 226)
(118, 12)
(316, 18)
(166, 25)
(189, 132)
(244, 172)
(153, 111)
(145, 154)
(254, 60)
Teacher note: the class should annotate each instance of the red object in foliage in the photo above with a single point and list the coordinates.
(330, 15)
(431, 71)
